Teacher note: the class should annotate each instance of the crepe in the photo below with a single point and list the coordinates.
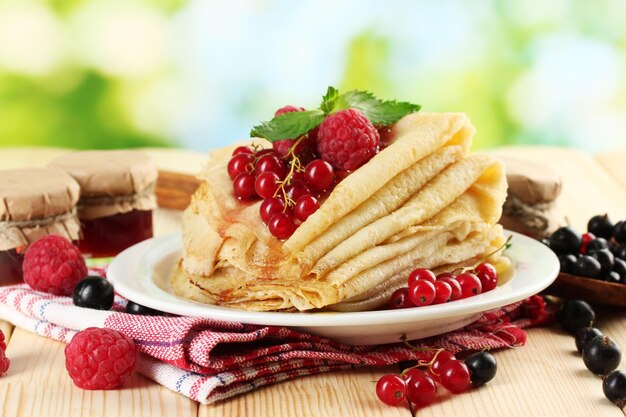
(423, 201)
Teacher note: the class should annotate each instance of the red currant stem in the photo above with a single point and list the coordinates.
(294, 165)
(505, 245)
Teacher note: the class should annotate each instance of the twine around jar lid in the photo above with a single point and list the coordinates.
(35, 202)
(111, 181)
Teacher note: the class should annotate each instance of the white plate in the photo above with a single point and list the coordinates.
(141, 274)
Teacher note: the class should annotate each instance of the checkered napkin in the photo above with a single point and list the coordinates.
(208, 360)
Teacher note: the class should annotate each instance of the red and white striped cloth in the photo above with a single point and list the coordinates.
(208, 360)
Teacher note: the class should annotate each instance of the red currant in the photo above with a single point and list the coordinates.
(413, 373)
(270, 163)
(243, 150)
(586, 238)
(422, 273)
(487, 275)
(443, 292)
(268, 151)
(441, 358)
(240, 164)
(305, 206)
(422, 293)
(421, 390)
(455, 376)
(445, 275)
(266, 184)
(319, 174)
(391, 389)
(281, 225)
(470, 284)
(455, 287)
(297, 189)
(269, 207)
(244, 186)
(400, 299)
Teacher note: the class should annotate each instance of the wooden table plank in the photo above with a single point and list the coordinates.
(348, 393)
(615, 163)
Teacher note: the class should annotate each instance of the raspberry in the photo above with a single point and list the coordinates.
(282, 146)
(4, 361)
(53, 265)
(100, 358)
(287, 109)
(347, 139)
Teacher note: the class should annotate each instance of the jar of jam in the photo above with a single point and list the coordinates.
(116, 198)
(35, 202)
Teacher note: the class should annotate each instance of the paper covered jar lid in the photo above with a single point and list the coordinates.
(36, 202)
(111, 181)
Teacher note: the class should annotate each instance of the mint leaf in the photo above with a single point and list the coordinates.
(378, 112)
(288, 125)
(328, 101)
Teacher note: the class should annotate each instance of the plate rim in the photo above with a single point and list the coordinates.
(481, 303)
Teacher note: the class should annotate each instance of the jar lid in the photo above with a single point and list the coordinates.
(109, 173)
(531, 182)
(112, 182)
(37, 202)
(35, 193)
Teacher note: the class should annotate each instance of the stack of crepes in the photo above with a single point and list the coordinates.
(423, 201)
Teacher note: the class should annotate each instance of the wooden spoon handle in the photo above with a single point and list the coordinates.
(174, 190)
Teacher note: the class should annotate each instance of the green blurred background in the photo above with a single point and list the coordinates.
(199, 73)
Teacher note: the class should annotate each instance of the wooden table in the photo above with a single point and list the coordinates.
(544, 378)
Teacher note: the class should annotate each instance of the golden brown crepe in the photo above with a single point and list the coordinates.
(423, 201)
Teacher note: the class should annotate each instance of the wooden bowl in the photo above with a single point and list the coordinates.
(591, 290)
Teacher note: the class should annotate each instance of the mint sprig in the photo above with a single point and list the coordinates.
(295, 124)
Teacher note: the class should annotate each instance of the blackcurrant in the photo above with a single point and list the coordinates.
(568, 263)
(482, 367)
(602, 355)
(612, 277)
(94, 292)
(546, 241)
(619, 266)
(576, 314)
(600, 226)
(134, 308)
(597, 244)
(565, 240)
(614, 387)
(619, 232)
(606, 260)
(586, 266)
(620, 252)
(584, 335)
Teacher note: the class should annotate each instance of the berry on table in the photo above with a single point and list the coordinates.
(565, 240)
(600, 226)
(4, 361)
(470, 284)
(100, 358)
(391, 389)
(455, 376)
(347, 139)
(140, 310)
(422, 293)
(94, 292)
(584, 335)
(602, 355)
(614, 387)
(53, 265)
(421, 390)
(576, 314)
(412, 373)
(441, 358)
(482, 367)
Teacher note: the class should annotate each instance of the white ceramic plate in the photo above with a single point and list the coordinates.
(141, 274)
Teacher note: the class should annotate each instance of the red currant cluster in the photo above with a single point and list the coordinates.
(290, 190)
(426, 288)
(419, 386)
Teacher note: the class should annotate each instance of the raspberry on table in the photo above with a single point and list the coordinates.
(4, 361)
(53, 265)
(347, 139)
(100, 358)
